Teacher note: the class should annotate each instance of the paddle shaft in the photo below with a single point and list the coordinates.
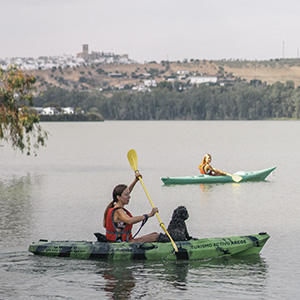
(133, 159)
(162, 225)
(146, 192)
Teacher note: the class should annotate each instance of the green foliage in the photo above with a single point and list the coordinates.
(171, 101)
(89, 117)
(165, 85)
(18, 122)
(154, 72)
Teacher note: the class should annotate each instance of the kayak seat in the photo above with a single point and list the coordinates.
(147, 246)
(101, 237)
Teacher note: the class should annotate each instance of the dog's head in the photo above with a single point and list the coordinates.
(180, 213)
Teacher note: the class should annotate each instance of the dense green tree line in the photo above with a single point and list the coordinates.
(237, 101)
(89, 117)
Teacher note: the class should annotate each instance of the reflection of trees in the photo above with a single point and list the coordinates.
(15, 207)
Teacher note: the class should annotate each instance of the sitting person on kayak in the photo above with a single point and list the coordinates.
(118, 221)
(206, 168)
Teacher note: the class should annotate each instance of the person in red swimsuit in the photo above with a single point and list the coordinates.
(206, 168)
(118, 221)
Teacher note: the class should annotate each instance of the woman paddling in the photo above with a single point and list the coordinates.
(118, 221)
(206, 168)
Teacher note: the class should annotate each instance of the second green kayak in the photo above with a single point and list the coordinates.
(247, 176)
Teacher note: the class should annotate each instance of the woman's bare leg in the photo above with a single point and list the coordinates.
(151, 237)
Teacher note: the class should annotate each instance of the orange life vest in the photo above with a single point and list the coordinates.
(202, 170)
(111, 228)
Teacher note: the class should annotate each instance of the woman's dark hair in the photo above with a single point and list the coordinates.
(118, 190)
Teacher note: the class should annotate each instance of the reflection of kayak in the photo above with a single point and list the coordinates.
(192, 250)
(247, 176)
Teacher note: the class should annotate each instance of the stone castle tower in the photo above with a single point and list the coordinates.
(85, 52)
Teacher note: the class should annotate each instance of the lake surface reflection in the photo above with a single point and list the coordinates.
(61, 195)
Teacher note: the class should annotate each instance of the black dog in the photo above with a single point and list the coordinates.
(177, 227)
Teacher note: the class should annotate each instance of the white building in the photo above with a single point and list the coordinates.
(50, 111)
(39, 110)
(203, 79)
(68, 110)
(150, 82)
(182, 72)
(141, 88)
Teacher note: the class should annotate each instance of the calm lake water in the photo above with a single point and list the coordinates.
(61, 195)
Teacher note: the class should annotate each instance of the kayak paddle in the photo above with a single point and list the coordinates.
(133, 160)
(235, 178)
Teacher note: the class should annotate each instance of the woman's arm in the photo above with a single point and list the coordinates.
(214, 172)
(136, 179)
(122, 216)
(209, 169)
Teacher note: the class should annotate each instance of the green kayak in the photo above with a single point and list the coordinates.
(190, 250)
(246, 176)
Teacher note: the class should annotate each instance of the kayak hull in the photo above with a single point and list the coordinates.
(187, 250)
(247, 176)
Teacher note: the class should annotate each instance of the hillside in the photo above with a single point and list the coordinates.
(119, 76)
(269, 72)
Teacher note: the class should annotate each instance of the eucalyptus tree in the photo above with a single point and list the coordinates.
(19, 122)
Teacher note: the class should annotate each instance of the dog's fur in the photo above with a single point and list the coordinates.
(177, 227)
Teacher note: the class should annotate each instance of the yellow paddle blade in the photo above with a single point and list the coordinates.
(235, 178)
(133, 159)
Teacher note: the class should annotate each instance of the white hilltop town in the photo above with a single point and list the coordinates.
(85, 58)
(64, 61)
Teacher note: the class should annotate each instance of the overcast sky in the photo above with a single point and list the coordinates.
(152, 29)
